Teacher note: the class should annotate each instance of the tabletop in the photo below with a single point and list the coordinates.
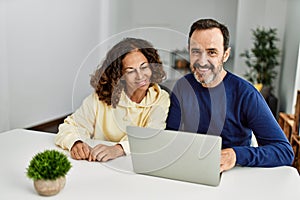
(116, 180)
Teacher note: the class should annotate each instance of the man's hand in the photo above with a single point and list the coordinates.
(228, 159)
(104, 153)
(80, 151)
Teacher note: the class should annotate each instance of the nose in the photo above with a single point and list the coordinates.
(139, 74)
(203, 59)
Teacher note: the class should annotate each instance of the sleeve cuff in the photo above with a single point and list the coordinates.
(125, 146)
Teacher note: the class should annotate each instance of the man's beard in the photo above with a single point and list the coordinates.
(208, 79)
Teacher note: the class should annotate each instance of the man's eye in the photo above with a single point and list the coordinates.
(212, 53)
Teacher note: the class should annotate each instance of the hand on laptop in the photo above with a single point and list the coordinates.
(228, 159)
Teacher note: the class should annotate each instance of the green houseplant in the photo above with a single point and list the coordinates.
(262, 58)
(48, 170)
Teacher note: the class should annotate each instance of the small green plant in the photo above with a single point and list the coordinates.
(48, 165)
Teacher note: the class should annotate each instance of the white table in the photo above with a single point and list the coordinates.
(115, 179)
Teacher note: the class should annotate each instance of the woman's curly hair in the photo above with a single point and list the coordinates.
(106, 79)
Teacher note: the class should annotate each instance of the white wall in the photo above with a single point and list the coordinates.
(179, 16)
(4, 100)
(291, 44)
(297, 82)
(46, 43)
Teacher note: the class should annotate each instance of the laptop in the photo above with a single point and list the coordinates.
(175, 155)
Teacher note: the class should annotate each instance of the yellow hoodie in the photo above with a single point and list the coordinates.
(94, 119)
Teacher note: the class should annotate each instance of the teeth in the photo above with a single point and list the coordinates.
(203, 69)
(141, 83)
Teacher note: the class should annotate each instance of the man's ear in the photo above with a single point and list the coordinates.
(226, 54)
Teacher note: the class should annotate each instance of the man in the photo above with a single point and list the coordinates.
(214, 101)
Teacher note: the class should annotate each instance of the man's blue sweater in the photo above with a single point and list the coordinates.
(233, 109)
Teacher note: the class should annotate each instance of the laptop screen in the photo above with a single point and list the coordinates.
(175, 154)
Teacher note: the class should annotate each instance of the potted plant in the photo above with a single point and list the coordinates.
(262, 60)
(48, 170)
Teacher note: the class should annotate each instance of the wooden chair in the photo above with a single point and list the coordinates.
(297, 114)
(295, 138)
(296, 147)
(286, 122)
(290, 122)
(290, 126)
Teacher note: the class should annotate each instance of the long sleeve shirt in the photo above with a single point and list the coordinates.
(233, 110)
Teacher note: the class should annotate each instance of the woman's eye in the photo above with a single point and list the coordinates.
(130, 71)
(144, 67)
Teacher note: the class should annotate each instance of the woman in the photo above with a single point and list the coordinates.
(126, 93)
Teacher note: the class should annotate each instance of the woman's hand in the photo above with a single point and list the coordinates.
(104, 153)
(80, 151)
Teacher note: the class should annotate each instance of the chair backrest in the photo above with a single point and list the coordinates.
(164, 87)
